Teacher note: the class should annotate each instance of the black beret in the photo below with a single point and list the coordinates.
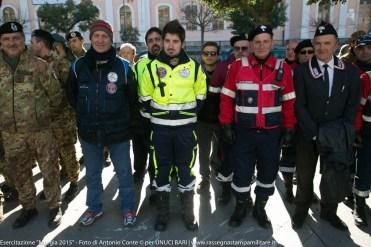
(303, 44)
(58, 38)
(260, 29)
(11, 27)
(236, 38)
(325, 28)
(73, 34)
(364, 40)
(43, 35)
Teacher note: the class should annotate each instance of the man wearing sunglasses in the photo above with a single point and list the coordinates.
(240, 46)
(304, 51)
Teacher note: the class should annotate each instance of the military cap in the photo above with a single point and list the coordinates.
(260, 29)
(236, 38)
(363, 40)
(325, 28)
(11, 27)
(303, 44)
(43, 35)
(58, 38)
(73, 34)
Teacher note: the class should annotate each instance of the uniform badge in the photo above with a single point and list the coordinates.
(111, 88)
(321, 29)
(161, 72)
(73, 35)
(184, 73)
(112, 77)
(263, 28)
(13, 27)
(315, 72)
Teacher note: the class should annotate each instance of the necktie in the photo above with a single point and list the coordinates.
(326, 78)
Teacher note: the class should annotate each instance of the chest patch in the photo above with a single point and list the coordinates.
(184, 73)
(112, 77)
(161, 72)
(111, 88)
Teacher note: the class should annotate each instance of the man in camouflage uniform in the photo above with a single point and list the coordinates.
(76, 43)
(29, 93)
(63, 124)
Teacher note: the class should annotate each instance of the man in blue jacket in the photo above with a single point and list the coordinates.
(102, 90)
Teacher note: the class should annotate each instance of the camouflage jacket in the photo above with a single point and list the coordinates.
(28, 95)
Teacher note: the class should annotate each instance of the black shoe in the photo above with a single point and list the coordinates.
(335, 221)
(203, 186)
(298, 218)
(163, 208)
(359, 212)
(349, 201)
(10, 193)
(259, 213)
(241, 210)
(71, 192)
(225, 197)
(55, 217)
(26, 216)
(42, 196)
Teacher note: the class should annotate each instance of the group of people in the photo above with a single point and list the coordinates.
(247, 118)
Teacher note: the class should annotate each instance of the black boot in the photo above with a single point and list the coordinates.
(259, 212)
(225, 197)
(9, 192)
(289, 195)
(25, 217)
(55, 217)
(163, 208)
(299, 216)
(359, 212)
(188, 216)
(241, 210)
(71, 192)
(328, 213)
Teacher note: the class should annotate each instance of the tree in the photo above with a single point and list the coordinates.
(62, 18)
(198, 15)
(263, 12)
(130, 35)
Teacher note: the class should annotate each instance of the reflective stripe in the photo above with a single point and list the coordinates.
(240, 189)
(247, 86)
(201, 96)
(361, 193)
(188, 187)
(228, 92)
(144, 98)
(244, 61)
(166, 187)
(278, 63)
(145, 114)
(260, 184)
(363, 101)
(221, 178)
(247, 109)
(287, 169)
(288, 96)
(176, 122)
(270, 87)
(215, 89)
(174, 107)
(366, 118)
(266, 110)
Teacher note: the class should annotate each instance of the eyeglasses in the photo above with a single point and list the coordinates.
(209, 53)
(240, 48)
(306, 51)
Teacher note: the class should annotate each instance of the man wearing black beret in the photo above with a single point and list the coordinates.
(327, 98)
(76, 43)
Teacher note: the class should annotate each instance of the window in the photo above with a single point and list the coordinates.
(163, 16)
(218, 23)
(8, 14)
(125, 18)
(190, 12)
(324, 11)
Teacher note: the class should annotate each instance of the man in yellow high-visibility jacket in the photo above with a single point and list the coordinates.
(172, 90)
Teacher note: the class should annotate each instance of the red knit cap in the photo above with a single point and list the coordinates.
(101, 25)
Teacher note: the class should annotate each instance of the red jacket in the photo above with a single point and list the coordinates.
(253, 98)
(364, 111)
(219, 75)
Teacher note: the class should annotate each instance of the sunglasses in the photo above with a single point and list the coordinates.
(240, 48)
(209, 53)
(306, 51)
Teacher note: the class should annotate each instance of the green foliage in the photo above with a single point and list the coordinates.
(309, 2)
(62, 18)
(130, 35)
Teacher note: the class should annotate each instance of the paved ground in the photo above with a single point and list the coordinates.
(212, 218)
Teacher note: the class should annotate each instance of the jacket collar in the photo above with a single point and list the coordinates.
(270, 61)
(316, 71)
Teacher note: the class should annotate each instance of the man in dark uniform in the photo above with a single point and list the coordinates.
(327, 90)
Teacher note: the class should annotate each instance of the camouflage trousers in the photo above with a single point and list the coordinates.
(8, 181)
(66, 137)
(20, 152)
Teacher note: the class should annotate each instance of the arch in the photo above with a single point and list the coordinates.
(129, 16)
(161, 9)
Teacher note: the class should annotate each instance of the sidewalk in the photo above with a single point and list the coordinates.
(212, 218)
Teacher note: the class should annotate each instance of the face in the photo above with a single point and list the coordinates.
(209, 55)
(363, 53)
(58, 47)
(35, 46)
(127, 53)
(305, 54)
(100, 41)
(241, 48)
(12, 44)
(262, 45)
(325, 47)
(76, 44)
(172, 44)
(290, 50)
(154, 43)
